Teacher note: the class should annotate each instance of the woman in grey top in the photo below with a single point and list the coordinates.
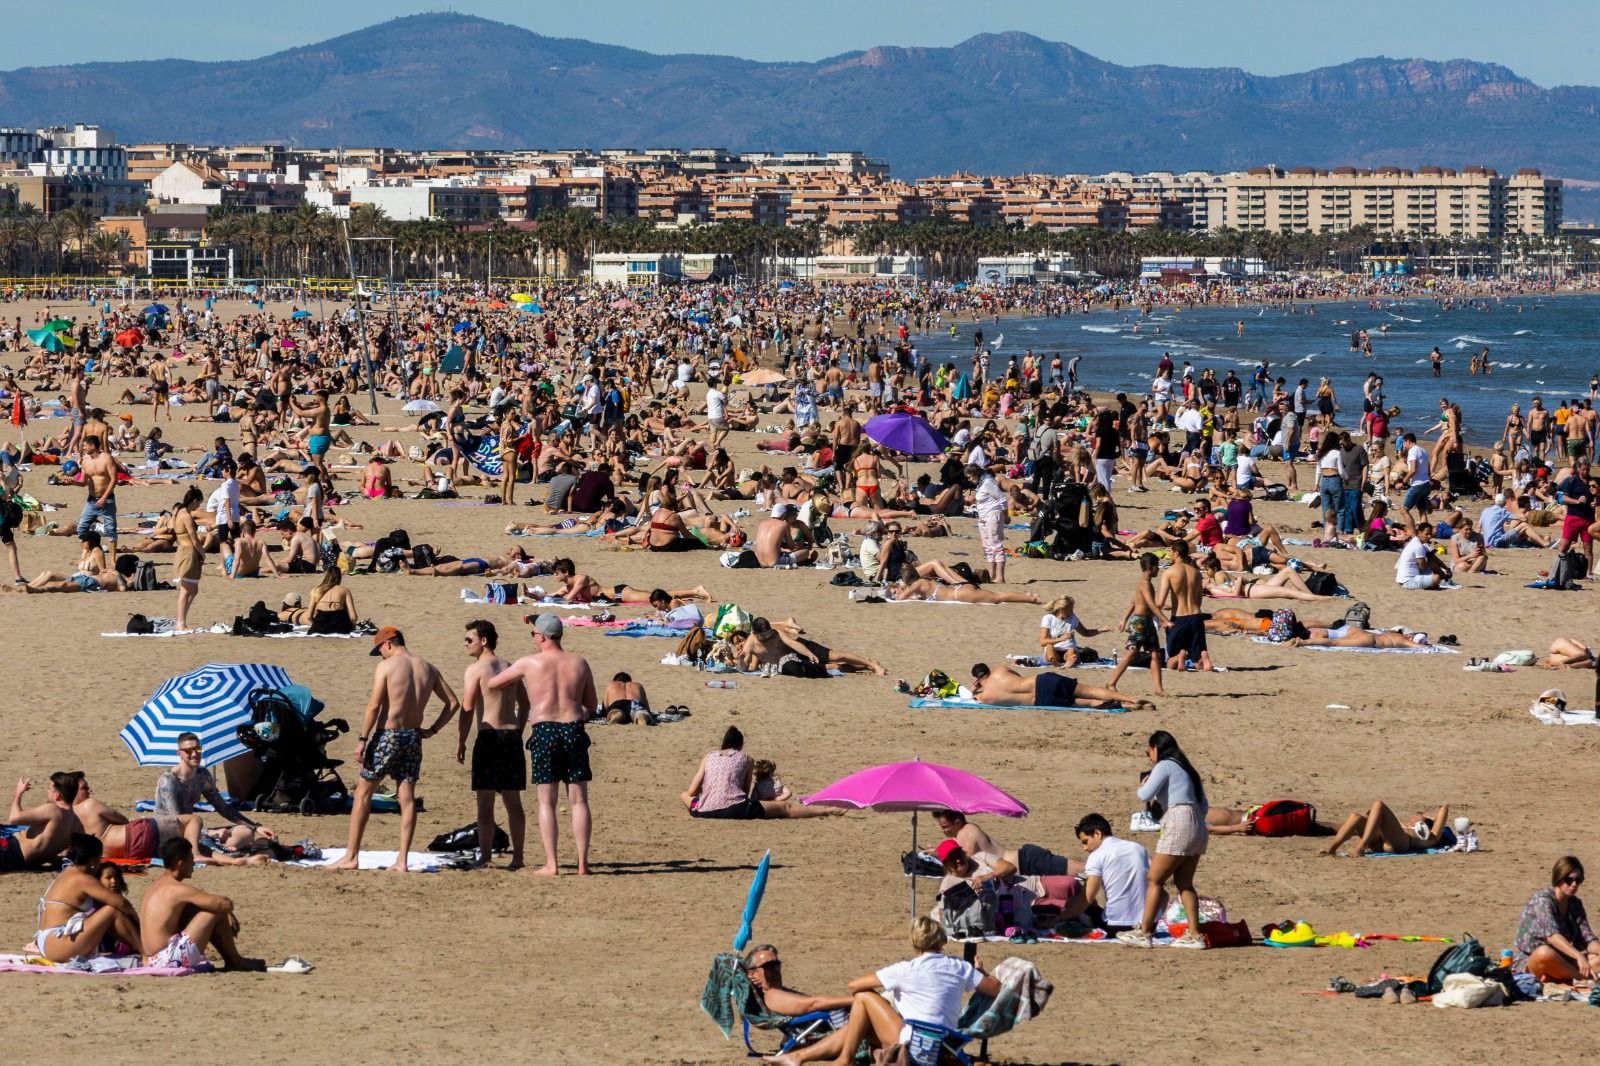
(1175, 784)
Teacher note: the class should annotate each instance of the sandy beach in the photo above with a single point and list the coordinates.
(506, 967)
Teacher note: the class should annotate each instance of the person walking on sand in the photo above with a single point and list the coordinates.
(498, 766)
(1140, 623)
(401, 686)
(1174, 782)
(561, 696)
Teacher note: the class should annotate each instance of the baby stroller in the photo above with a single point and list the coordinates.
(296, 773)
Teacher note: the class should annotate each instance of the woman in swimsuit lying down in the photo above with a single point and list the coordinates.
(923, 588)
(1284, 585)
(1570, 653)
(1348, 636)
(474, 566)
(1380, 830)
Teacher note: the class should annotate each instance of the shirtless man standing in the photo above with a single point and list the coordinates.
(846, 435)
(1538, 429)
(1181, 588)
(160, 388)
(561, 696)
(79, 410)
(177, 921)
(498, 766)
(318, 439)
(1002, 686)
(50, 828)
(401, 686)
(100, 470)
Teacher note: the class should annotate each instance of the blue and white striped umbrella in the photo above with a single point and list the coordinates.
(212, 701)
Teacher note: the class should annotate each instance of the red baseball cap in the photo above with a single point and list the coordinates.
(945, 848)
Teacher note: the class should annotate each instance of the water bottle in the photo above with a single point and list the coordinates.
(718, 682)
(1505, 960)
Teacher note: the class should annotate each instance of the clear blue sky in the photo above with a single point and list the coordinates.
(1550, 41)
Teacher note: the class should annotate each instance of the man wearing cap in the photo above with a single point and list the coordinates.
(561, 697)
(1029, 860)
(401, 686)
(781, 540)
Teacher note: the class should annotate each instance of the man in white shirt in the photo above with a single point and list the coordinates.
(1418, 481)
(990, 501)
(1116, 866)
(1417, 567)
(716, 413)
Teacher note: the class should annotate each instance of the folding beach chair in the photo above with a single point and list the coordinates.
(932, 1044)
(728, 993)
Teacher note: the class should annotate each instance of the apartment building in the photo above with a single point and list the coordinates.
(1473, 201)
(408, 201)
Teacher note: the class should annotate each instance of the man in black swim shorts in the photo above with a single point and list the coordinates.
(1004, 687)
(498, 766)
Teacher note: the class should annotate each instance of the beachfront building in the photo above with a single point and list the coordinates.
(635, 269)
(1170, 270)
(1473, 201)
(1025, 269)
(407, 200)
(868, 268)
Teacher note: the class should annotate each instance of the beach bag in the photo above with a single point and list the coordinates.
(1212, 912)
(1036, 549)
(423, 555)
(328, 554)
(139, 625)
(466, 839)
(1226, 934)
(731, 619)
(144, 577)
(500, 592)
(1322, 583)
(1467, 957)
(1570, 568)
(1359, 615)
(693, 645)
(1282, 626)
(1283, 818)
(1469, 991)
(965, 913)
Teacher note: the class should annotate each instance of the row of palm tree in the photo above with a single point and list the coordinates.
(310, 242)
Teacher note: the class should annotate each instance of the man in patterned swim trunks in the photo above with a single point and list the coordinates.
(401, 688)
(561, 696)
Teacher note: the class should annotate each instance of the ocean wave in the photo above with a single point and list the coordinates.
(1102, 329)
(1467, 338)
(1524, 333)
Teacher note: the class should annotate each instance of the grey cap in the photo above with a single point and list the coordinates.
(549, 625)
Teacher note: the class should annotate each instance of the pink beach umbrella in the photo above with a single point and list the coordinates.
(918, 786)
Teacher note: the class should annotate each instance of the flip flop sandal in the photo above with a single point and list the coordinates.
(293, 964)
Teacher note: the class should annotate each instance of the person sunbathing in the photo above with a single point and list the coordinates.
(159, 540)
(1284, 585)
(1240, 559)
(797, 656)
(77, 911)
(508, 564)
(1230, 621)
(1002, 686)
(1349, 636)
(661, 599)
(612, 519)
(1380, 830)
(138, 840)
(1569, 653)
(764, 970)
(931, 591)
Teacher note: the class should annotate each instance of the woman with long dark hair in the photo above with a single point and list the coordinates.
(1176, 785)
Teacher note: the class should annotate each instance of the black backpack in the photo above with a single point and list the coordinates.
(1465, 957)
(1571, 567)
(139, 624)
(423, 555)
(466, 839)
(1321, 583)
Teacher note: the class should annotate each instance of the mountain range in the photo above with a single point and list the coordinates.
(996, 103)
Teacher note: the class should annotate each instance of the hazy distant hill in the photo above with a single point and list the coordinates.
(996, 103)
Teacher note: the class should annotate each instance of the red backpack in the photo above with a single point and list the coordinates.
(1284, 818)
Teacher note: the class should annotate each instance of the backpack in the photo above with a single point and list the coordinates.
(144, 577)
(1359, 615)
(1571, 567)
(328, 554)
(1465, 957)
(466, 839)
(139, 624)
(1322, 583)
(965, 913)
(1283, 818)
(423, 555)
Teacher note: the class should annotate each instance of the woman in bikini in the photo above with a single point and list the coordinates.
(1380, 830)
(77, 911)
(191, 555)
(1284, 585)
(931, 591)
(376, 482)
(330, 609)
(158, 541)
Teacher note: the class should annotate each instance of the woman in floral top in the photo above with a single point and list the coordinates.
(1554, 941)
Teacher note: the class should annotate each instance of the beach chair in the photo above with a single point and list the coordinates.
(932, 1044)
(728, 994)
(795, 1032)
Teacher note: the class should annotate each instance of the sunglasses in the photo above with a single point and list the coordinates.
(189, 751)
(1573, 880)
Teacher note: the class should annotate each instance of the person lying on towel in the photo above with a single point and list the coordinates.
(1001, 686)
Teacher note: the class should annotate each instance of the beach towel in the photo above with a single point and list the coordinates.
(919, 702)
(1023, 995)
(1409, 854)
(1033, 662)
(468, 596)
(1550, 716)
(169, 633)
(645, 631)
(1098, 936)
(1432, 649)
(720, 669)
(123, 966)
(420, 861)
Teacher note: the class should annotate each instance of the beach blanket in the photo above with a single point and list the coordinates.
(420, 861)
(1024, 992)
(1431, 649)
(1099, 936)
(556, 533)
(1033, 662)
(169, 633)
(646, 631)
(721, 670)
(1552, 717)
(1409, 854)
(468, 596)
(920, 701)
(124, 966)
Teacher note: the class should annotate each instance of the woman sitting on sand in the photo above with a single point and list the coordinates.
(1554, 941)
(332, 607)
(722, 786)
(1380, 830)
(1284, 585)
(77, 911)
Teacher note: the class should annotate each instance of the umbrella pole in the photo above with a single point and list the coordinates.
(913, 866)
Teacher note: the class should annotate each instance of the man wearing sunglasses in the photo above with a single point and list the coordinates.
(179, 789)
